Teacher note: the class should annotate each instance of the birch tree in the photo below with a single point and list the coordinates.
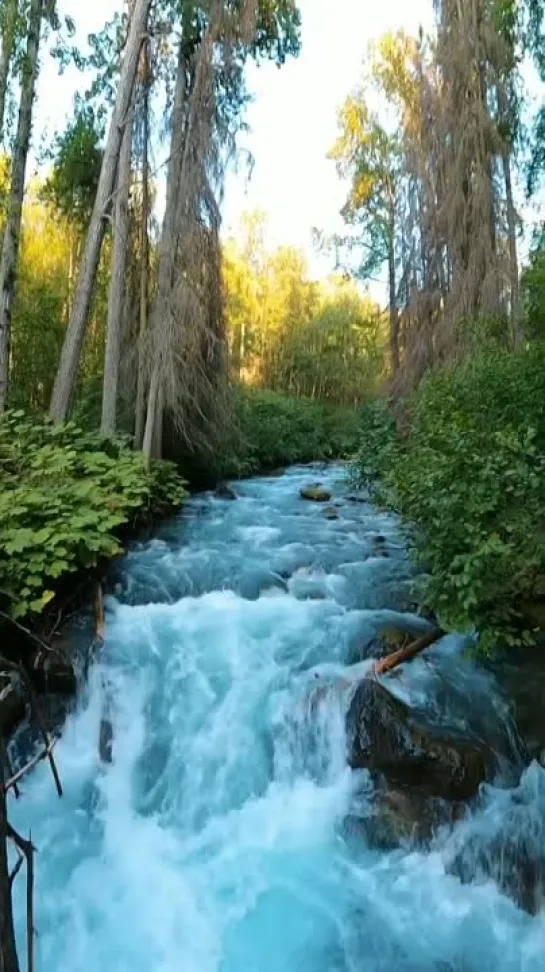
(12, 232)
(75, 334)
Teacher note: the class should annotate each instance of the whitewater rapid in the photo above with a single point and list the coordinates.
(215, 841)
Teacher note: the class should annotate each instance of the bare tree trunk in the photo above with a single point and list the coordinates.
(12, 234)
(8, 949)
(6, 53)
(515, 308)
(392, 292)
(75, 333)
(120, 243)
(167, 245)
(151, 414)
(144, 259)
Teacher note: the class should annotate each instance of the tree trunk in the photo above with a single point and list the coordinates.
(144, 259)
(392, 292)
(12, 234)
(151, 415)
(6, 54)
(120, 244)
(8, 949)
(167, 247)
(515, 307)
(75, 333)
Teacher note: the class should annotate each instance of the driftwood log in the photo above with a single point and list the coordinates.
(396, 658)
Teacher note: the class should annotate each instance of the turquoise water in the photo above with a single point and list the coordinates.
(215, 840)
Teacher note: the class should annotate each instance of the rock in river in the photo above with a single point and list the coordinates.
(225, 492)
(385, 736)
(316, 493)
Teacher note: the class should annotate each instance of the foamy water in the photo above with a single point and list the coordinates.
(214, 842)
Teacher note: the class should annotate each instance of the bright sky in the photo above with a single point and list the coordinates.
(293, 117)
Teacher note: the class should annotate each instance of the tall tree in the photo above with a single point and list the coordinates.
(369, 156)
(12, 233)
(145, 86)
(9, 11)
(75, 334)
(116, 293)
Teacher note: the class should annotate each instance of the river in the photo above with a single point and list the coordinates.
(216, 840)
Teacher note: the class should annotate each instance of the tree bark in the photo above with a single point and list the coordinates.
(144, 259)
(167, 244)
(406, 654)
(75, 333)
(6, 53)
(515, 306)
(12, 234)
(392, 292)
(120, 244)
(151, 414)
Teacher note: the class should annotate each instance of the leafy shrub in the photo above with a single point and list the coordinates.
(469, 473)
(276, 430)
(64, 497)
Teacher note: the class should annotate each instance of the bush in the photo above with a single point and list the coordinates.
(276, 430)
(64, 497)
(469, 473)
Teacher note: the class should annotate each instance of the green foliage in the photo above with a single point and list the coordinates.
(319, 340)
(65, 495)
(468, 472)
(276, 430)
(533, 289)
(73, 182)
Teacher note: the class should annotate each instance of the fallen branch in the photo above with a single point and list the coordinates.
(47, 752)
(100, 625)
(43, 754)
(26, 849)
(29, 634)
(415, 648)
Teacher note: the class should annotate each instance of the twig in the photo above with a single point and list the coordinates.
(26, 631)
(27, 849)
(7, 762)
(406, 654)
(43, 754)
(48, 743)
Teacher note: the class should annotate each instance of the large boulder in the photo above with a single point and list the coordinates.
(316, 493)
(394, 816)
(385, 736)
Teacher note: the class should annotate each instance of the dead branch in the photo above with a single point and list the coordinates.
(36, 715)
(7, 762)
(43, 754)
(27, 850)
(29, 634)
(100, 627)
(408, 652)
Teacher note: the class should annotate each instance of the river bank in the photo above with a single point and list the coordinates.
(228, 811)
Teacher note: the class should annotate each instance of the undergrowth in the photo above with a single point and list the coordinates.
(466, 468)
(65, 497)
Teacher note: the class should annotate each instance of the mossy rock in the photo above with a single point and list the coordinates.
(316, 494)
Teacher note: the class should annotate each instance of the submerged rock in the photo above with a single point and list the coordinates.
(331, 513)
(225, 492)
(405, 816)
(316, 493)
(385, 736)
(515, 863)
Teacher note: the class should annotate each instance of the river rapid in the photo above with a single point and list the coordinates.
(217, 839)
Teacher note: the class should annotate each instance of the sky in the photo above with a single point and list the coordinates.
(292, 118)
